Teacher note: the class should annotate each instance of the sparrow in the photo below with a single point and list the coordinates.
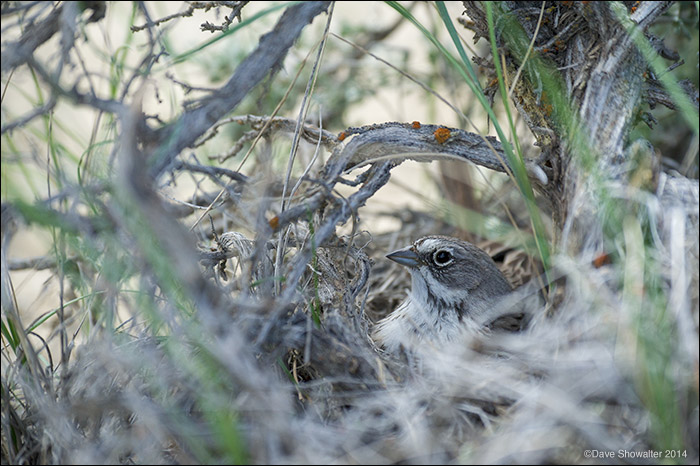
(455, 287)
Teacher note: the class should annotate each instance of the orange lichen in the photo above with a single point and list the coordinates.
(547, 108)
(545, 105)
(441, 135)
(601, 260)
(342, 135)
(415, 125)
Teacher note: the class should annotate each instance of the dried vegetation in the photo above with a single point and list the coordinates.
(232, 324)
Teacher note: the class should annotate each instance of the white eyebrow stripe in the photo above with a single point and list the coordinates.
(429, 244)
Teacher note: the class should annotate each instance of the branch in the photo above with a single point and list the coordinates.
(423, 143)
(18, 53)
(212, 171)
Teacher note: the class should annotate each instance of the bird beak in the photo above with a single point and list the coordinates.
(406, 256)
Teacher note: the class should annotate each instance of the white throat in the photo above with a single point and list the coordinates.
(420, 320)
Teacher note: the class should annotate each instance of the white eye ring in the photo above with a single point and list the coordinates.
(443, 257)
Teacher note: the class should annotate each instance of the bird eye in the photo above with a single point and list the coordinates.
(442, 257)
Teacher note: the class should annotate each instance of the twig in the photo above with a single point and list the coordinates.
(212, 171)
(34, 35)
(36, 263)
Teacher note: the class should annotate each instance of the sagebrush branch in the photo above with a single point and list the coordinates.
(416, 141)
